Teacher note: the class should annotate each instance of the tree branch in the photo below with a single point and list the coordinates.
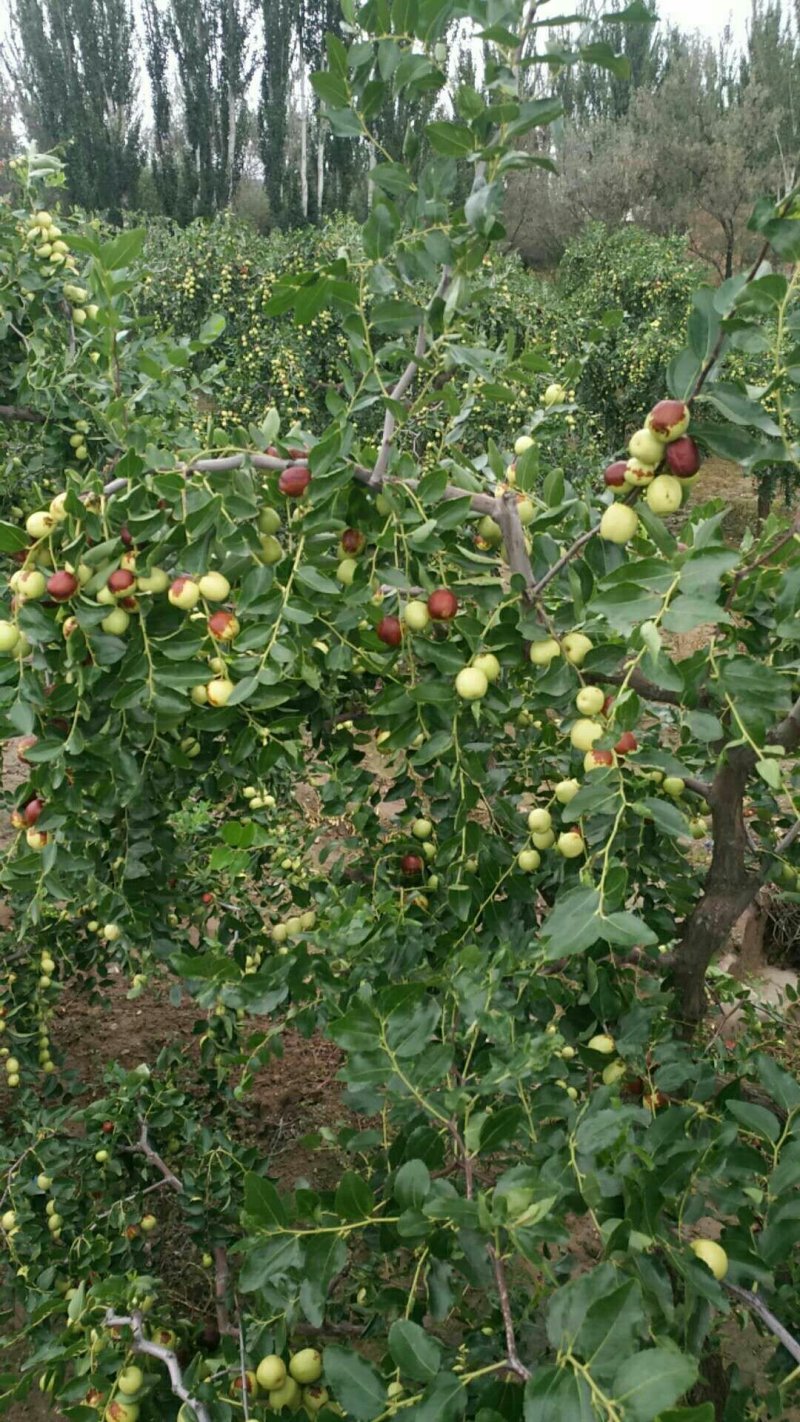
(221, 1280)
(773, 1324)
(144, 1148)
(142, 1345)
(23, 413)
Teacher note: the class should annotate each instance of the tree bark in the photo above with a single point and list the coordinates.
(730, 886)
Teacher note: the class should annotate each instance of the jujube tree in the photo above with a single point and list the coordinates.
(509, 962)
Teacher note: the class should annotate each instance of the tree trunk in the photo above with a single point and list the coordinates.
(373, 161)
(231, 157)
(320, 167)
(729, 888)
(303, 141)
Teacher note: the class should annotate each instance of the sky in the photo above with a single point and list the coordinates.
(708, 16)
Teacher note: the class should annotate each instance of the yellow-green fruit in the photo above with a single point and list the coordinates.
(288, 1396)
(39, 524)
(78, 315)
(603, 1044)
(422, 829)
(489, 530)
(269, 521)
(346, 571)
(665, 494)
(8, 1220)
(271, 550)
(487, 663)
(540, 821)
(280, 933)
(271, 1372)
(545, 840)
(28, 583)
(644, 446)
(576, 646)
(214, 587)
(590, 700)
(584, 733)
(542, 653)
(9, 636)
(314, 1399)
(673, 785)
(570, 844)
(522, 443)
(525, 512)
(566, 790)
(416, 616)
(613, 1073)
(116, 622)
(148, 1223)
(156, 581)
(199, 695)
(529, 860)
(471, 684)
(619, 524)
(130, 1380)
(219, 691)
(711, 1254)
(44, 1182)
(184, 593)
(306, 1366)
(82, 452)
(554, 395)
(119, 1411)
(111, 932)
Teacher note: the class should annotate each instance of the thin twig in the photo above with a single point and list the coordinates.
(765, 558)
(513, 1359)
(142, 1345)
(144, 1148)
(404, 384)
(773, 1324)
(788, 839)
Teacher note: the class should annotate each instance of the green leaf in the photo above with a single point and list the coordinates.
(704, 726)
(357, 1386)
(558, 1395)
(665, 816)
(12, 538)
(625, 930)
(353, 1200)
(573, 924)
(415, 1352)
(331, 89)
(656, 1378)
(122, 250)
(445, 1399)
(453, 139)
(770, 771)
(262, 1203)
(412, 1185)
(756, 1119)
(602, 53)
(737, 407)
